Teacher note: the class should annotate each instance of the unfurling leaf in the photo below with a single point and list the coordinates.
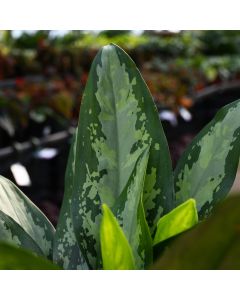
(116, 251)
(180, 219)
(130, 214)
(207, 169)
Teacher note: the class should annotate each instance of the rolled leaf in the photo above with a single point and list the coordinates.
(208, 167)
(116, 251)
(118, 121)
(131, 216)
(13, 258)
(66, 252)
(212, 244)
(16, 205)
(180, 219)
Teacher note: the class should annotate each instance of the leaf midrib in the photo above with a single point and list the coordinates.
(118, 169)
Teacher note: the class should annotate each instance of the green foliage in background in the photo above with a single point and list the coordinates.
(121, 196)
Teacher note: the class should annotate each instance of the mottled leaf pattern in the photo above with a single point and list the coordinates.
(13, 233)
(66, 252)
(116, 251)
(118, 121)
(180, 219)
(13, 258)
(15, 204)
(207, 169)
(131, 216)
(119, 183)
(212, 244)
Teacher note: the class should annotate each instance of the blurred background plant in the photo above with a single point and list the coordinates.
(190, 74)
(44, 66)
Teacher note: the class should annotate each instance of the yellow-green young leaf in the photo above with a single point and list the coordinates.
(207, 169)
(116, 251)
(212, 244)
(13, 258)
(180, 219)
(16, 205)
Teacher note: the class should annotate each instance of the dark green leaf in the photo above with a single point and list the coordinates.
(116, 251)
(145, 239)
(66, 252)
(213, 244)
(118, 121)
(207, 169)
(180, 219)
(15, 204)
(13, 258)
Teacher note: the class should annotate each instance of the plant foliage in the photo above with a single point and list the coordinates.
(213, 244)
(120, 198)
(116, 251)
(13, 258)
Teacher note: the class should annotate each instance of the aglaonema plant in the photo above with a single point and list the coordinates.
(121, 196)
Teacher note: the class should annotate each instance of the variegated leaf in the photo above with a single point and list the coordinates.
(13, 233)
(207, 169)
(118, 120)
(116, 251)
(131, 216)
(66, 252)
(16, 205)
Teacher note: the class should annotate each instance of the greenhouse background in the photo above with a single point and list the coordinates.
(191, 74)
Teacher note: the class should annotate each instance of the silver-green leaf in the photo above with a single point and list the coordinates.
(13, 233)
(130, 213)
(207, 169)
(16, 205)
(118, 121)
